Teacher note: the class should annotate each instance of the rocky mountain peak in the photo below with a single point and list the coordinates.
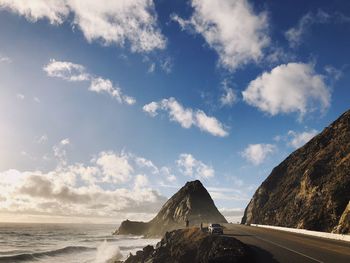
(192, 202)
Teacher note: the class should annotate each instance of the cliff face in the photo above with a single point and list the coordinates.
(311, 188)
(193, 245)
(191, 202)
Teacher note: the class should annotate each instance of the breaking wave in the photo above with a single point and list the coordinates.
(51, 253)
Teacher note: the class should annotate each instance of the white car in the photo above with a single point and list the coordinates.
(215, 229)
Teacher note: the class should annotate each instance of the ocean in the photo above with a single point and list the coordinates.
(68, 243)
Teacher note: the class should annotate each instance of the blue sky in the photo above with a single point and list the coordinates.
(108, 108)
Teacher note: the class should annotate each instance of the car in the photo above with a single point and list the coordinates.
(215, 229)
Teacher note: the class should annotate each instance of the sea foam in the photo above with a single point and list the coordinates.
(107, 252)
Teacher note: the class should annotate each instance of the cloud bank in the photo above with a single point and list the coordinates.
(113, 184)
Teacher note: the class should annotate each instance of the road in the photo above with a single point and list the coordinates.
(270, 245)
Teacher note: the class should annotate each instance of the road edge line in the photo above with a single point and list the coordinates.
(332, 236)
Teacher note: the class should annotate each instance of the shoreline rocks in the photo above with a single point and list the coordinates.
(193, 245)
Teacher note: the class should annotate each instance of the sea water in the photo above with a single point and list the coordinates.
(67, 243)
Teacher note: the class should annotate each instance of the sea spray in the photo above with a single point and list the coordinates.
(107, 252)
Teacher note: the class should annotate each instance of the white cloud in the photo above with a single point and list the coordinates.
(151, 68)
(129, 100)
(295, 34)
(298, 139)
(257, 153)
(112, 22)
(141, 181)
(189, 166)
(65, 141)
(186, 117)
(66, 70)
(228, 194)
(209, 124)
(292, 87)
(4, 59)
(42, 139)
(232, 214)
(100, 85)
(115, 167)
(54, 10)
(278, 55)
(20, 96)
(143, 162)
(166, 65)
(166, 172)
(333, 73)
(229, 97)
(171, 178)
(60, 152)
(133, 21)
(220, 23)
(151, 108)
(277, 138)
(75, 72)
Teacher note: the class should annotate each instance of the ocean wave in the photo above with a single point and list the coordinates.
(107, 253)
(123, 248)
(93, 240)
(110, 239)
(52, 253)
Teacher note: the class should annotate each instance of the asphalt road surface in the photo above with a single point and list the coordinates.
(270, 245)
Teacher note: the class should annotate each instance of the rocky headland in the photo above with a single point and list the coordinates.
(310, 189)
(193, 245)
(192, 202)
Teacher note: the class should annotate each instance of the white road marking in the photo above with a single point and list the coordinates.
(292, 250)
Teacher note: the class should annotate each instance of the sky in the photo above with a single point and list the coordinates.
(107, 108)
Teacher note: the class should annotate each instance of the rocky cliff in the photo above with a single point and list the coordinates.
(311, 188)
(191, 202)
(193, 245)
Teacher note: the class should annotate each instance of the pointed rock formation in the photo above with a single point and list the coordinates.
(191, 202)
(311, 188)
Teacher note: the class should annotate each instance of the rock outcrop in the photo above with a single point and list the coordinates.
(344, 221)
(193, 245)
(310, 189)
(191, 202)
